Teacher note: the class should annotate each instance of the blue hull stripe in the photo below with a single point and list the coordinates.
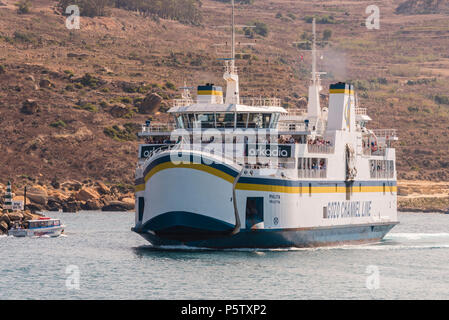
(312, 237)
(178, 219)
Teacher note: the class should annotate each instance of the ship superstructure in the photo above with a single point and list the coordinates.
(235, 172)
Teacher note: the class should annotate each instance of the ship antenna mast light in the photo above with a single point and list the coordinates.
(230, 76)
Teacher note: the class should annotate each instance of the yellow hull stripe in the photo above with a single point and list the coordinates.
(263, 187)
(195, 166)
(305, 189)
(346, 91)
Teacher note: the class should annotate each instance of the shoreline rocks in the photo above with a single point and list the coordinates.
(74, 196)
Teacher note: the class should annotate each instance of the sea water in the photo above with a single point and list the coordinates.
(99, 257)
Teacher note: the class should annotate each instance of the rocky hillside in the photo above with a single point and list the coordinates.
(423, 7)
(71, 101)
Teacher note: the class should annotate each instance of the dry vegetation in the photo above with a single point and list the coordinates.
(401, 72)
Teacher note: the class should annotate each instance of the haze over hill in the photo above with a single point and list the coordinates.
(87, 85)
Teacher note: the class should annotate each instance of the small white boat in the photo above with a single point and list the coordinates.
(37, 228)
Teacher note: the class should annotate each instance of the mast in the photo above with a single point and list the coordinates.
(313, 106)
(314, 53)
(233, 37)
(230, 75)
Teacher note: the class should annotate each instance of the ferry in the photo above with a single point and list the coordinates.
(234, 172)
(44, 226)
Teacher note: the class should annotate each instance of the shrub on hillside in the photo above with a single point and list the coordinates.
(259, 28)
(440, 99)
(327, 34)
(325, 19)
(185, 11)
(23, 7)
(89, 8)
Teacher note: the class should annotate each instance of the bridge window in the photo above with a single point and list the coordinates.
(274, 120)
(255, 120)
(225, 120)
(206, 120)
(242, 120)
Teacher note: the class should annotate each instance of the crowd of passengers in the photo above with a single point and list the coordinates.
(319, 142)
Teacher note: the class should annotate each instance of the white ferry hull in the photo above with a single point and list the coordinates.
(192, 204)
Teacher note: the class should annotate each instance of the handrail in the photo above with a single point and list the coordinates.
(249, 101)
(158, 127)
(317, 148)
(260, 102)
(385, 133)
(361, 111)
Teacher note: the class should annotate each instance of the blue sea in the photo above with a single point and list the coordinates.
(100, 258)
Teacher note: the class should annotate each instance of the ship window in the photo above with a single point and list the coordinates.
(312, 167)
(381, 169)
(207, 120)
(274, 120)
(242, 119)
(185, 120)
(255, 120)
(266, 118)
(192, 120)
(179, 122)
(225, 120)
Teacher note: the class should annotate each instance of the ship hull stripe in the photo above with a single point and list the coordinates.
(264, 184)
(279, 238)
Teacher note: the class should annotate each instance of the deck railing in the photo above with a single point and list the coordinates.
(312, 173)
(369, 152)
(317, 148)
(388, 134)
(260, 102)
(249, 101)
(158, 127)
(361, 111)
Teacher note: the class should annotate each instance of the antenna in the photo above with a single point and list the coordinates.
(313, 106)
(230, 75)
(230, 56)
(233, 37)
(314, 52)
